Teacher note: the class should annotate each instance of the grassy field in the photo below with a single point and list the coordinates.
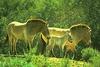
(90, 58)
(57, 13)
(40, 61)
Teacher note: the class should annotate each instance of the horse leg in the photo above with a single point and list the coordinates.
(30, 41)
(11, 44)
(14, 46)
(48, 50)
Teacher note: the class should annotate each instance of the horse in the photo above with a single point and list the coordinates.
(57, 38)
(80, 32)
(26, 31)
(74, 34)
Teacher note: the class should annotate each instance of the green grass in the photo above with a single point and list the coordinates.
(40, 61)
(14, 62)
(32, 60)
(90, 58)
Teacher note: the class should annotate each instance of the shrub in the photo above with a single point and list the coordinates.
(95, 61)
(88, 53)
(14, 62)
(79, 48)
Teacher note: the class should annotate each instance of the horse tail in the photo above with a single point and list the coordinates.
(9, 30)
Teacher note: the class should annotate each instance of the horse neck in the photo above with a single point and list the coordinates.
(46, 33)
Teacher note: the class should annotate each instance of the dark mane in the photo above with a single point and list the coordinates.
(80, 26)
(36, 20)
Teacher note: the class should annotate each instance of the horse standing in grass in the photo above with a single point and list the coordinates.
(26, 31)
(80, 32)
(75, 34)
(57, 38)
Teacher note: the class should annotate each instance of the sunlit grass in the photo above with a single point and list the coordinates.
(40, 61)
(32, 60)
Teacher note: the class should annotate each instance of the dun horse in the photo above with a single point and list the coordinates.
(74, 34)
(80, 32)
(26, 31)
(58, 37)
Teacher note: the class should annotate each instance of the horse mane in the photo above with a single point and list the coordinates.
(73, 27)
(36, 20)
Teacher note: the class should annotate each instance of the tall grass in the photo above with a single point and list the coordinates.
(39, 61)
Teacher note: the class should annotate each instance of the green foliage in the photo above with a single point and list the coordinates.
(95, 61)
(14, 62)
(3, 21)
(89, 53)
(39, 61)
(58, 13)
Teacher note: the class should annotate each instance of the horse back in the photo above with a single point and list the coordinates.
(16, 29)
